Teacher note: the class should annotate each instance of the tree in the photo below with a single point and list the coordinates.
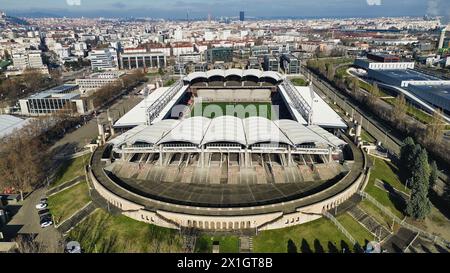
(398, 112)
(374, 94)
(419, 205)
(433, 174)
(434, 128)
(355, 87)
(322, 68)
(6, 54)
(22, 160)
(405, 150)
(330, 72)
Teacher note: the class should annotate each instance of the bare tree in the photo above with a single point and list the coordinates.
(398, 112)
(435, 128)
(22, 160)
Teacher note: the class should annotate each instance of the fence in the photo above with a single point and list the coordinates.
(340, 227)
(428, 235)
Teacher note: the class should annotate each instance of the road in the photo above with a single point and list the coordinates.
(76, 140)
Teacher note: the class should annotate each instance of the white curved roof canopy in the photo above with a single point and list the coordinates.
(234, 72)
(237, 72)
(215, 72)
(260, 130)
(196, 75)
(225, 129)
(271, 74)
(327, 135)
(190, 130)
(252, 72)
(298, 134)
(154, 133)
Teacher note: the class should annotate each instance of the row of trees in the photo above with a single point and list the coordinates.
(107, 93)
(429, 135)
(420, 175)
(30, 81)
(25, 156)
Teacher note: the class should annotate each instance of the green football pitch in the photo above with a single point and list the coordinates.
(239, 109)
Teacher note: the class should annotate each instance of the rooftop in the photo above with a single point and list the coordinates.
(407, 75)
(10, 123)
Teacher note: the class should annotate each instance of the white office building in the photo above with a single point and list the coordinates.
(103, 59)
(98, 80)
(27, 59)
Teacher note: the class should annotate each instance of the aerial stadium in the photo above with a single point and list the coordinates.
(228, 150)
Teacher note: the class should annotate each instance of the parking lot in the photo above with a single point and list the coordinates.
(26, 221)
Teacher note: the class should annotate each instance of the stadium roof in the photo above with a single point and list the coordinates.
(323, 114)
(10, 123)
(235, 72)
(152, 134)
(327, 135)
(261, 130)
(190, 130)
(298, 133)
(227, 129)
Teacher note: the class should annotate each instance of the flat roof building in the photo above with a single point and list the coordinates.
(98, 80)
(143, 60)
(61, 98)
(103, 59)
(219, 54)
(271, 63)
(290, 64)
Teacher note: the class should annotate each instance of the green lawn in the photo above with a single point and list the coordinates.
(71, 169)
(227, 244)
(241, 109)
(4, 63)
(341, 72)
(376, 213)
(386, 172)
(365, 136)
(416, 113)
(169, 82)
(316, 236)
(105, 233)
(299, 82)
(62, 205)
(360, 233)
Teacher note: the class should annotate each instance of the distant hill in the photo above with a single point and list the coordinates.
(15, 20)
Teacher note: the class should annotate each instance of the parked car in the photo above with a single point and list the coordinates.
(43, 212)
(46, 222)
(41, 206)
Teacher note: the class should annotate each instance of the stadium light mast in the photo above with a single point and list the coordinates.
(311, 112)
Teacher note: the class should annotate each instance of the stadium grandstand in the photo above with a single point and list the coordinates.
(228, 167)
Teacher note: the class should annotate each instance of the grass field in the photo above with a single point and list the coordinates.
(386, 172)
(62, 205)
(299, 82)
(71, 169)
(105, 233)
(361, 234)
(316, 236)
(241, 109)
(227, 244)
(365, 136)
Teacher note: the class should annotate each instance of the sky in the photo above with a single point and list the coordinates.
(177, 9)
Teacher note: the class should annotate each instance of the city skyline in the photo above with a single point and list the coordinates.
(201, 8)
